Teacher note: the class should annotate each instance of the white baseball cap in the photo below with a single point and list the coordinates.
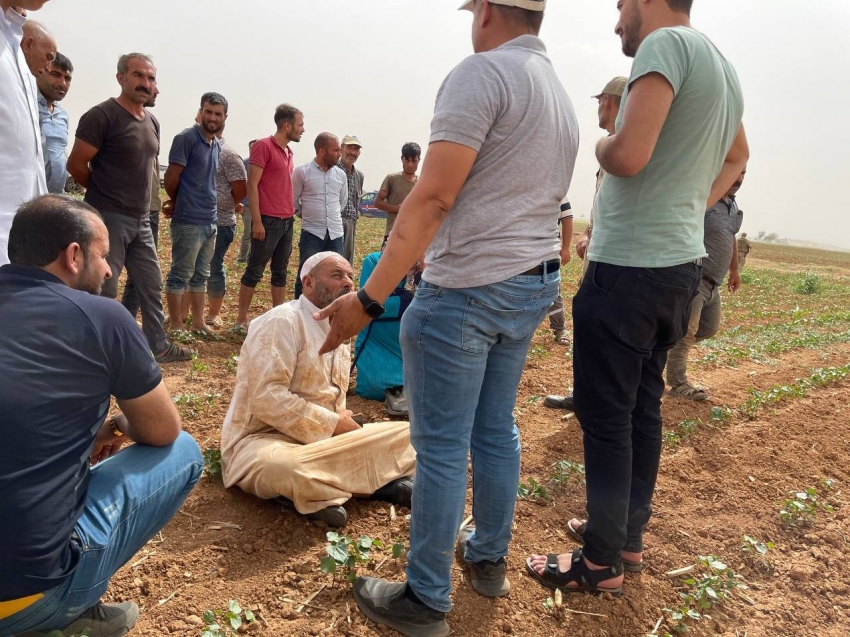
(528, 5)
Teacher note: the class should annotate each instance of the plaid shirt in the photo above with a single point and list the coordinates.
(351, 210)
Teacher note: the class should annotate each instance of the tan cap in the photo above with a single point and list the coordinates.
(528, 5)
(615, 87)
(351, 140)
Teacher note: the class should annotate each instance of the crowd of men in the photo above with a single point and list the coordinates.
(478, 238)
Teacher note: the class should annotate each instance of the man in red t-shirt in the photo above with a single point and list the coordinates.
(272, 209)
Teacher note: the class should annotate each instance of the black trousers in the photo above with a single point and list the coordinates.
(625, 320)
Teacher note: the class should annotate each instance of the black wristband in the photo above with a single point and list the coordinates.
(372, 307)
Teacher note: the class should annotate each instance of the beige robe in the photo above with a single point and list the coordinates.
(278, 438)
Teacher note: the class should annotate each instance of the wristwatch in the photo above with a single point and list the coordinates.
(373, 308)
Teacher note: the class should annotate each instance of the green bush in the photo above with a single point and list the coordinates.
(808, 283)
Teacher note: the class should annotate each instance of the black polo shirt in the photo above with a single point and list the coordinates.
(63, 352)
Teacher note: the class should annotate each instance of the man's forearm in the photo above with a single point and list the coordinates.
(733, 264)
(80, 172)
(254, 200)
(418, 221)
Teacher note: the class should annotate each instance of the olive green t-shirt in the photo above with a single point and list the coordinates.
(655, 219)
(397, 188)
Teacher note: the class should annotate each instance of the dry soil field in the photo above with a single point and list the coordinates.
(775, 426)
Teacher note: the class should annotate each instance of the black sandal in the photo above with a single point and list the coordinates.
(629, 566)
(587, 580)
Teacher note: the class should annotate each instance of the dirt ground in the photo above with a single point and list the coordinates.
(726, 481)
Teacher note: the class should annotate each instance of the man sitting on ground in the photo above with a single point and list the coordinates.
(67, 528)
(287, 435)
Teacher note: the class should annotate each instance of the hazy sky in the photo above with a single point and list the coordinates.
(373, 67)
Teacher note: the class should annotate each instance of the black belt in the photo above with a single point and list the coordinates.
(710, 280)
(544, 268)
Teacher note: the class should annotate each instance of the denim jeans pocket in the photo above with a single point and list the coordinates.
(482, 325)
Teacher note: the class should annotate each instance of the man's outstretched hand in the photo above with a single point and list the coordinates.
(347, 318)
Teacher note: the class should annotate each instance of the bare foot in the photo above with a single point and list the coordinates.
(578, 528)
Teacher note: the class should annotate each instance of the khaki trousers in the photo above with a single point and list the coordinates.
(328, 472)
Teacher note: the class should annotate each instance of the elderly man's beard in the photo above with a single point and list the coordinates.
(323, 296)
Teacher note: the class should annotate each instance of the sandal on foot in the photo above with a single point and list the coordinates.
(577, 533)
(562, 338)
(579, 573)
(689, 392)
(214, 321)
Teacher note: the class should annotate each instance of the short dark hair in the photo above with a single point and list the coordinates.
(681, 6)
(322, 141)
(124, 61)
(43, 227)
(531, 20)
(214, 99)
(411, 150)
(62, 63)
(285, 113)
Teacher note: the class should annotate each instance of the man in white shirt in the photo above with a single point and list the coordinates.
(21, 156)
(288, 435)
(320, 190)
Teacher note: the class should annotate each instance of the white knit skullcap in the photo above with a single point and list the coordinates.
(315, 260)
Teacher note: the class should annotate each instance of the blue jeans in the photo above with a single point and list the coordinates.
(131, 497)
(464, 351)
(192, 249)
(217, 283)
(308, 245)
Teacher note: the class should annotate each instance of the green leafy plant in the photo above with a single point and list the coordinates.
(720, 415)
(802, 509)
(222, 623)
(808, 283)
(532, 490)
(565, 472)
(397, 550)
(755, 553)
(212, 462)
(683, 431)
(183, 336)
(345, 554)
(197, 367)
(232, 363)
(819, 377)
(712, 587)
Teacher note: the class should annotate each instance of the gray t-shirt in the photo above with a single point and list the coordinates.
(722, 223)
(654, 219)
(230, 168)
(509, 106)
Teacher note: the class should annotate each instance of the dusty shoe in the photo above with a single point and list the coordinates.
(393, 604)
(396, 402)
(335, 517)
(174, 354)
(562, 338)
(101, 620)
(559, 402)
(488, 578)
(398, 492)
(689, 392)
